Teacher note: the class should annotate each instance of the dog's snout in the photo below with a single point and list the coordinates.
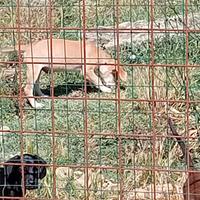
(30, 179)
(32, 183)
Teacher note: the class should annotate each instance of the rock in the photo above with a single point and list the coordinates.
(108, 38)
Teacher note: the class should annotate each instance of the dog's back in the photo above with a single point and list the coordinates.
(64, 51)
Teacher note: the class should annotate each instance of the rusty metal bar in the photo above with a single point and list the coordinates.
(151, 68)
(52, 98)
(86, 142)
(187, 87)
(20, 100)
(103, 30)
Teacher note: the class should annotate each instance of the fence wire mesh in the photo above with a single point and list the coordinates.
(98, 133)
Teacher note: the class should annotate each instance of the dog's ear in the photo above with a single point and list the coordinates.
(41, 169)
(121, 73)
(42, 172)
(10, 168)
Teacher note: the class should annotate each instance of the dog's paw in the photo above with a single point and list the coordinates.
(105, 89)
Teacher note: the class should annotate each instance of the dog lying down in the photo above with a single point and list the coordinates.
(11, 175)
(69, 51)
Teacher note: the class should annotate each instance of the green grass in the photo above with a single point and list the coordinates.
(102, 117)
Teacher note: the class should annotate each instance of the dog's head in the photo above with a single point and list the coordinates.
(32, 173)
(111, 73)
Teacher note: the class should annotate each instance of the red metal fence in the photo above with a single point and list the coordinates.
(100, 145)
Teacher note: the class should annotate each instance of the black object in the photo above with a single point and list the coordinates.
(11, 175)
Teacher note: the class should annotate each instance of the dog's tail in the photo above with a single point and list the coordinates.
(13, 49)
(122, 73)
(181, 143)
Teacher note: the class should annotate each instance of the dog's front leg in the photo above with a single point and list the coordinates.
(91, 76)
(33, 73)
(37, 89)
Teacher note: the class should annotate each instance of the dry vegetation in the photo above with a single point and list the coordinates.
(136, 117)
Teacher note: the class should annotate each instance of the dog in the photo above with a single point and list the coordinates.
(191, 187)
(11, 175)
(69, 55)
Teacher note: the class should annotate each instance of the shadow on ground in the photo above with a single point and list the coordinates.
(60, 90)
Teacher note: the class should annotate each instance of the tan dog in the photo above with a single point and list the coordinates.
(63, 53)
